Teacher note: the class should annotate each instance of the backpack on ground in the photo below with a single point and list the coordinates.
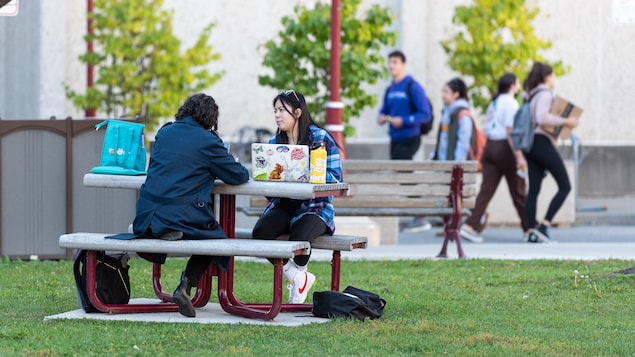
(523, 130)
(427, 126)
(112, 279)
(351, 303)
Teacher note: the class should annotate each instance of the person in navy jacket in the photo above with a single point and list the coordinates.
(175, 200)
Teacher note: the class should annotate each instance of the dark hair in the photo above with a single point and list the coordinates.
(292, 100)
(539, 71)
(202, 108)
(505, 82)
(457, 85)
(398, 54)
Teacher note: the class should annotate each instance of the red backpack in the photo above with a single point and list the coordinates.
(478, 141)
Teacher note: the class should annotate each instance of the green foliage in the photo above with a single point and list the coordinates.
(300, 58)
(495, 37)
(141, 70)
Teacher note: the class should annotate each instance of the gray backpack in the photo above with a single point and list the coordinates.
(523, 130)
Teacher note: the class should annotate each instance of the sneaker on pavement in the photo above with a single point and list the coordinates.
(299, 287)
(470, 235)
(540, 235)
(418, 224)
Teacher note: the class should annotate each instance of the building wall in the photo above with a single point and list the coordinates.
(586, 34)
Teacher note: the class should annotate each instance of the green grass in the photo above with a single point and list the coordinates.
(453, 307)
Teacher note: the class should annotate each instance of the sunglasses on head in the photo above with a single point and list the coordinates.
(288, 94)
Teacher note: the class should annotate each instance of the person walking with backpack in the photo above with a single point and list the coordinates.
(405, 108)
(543, 156)
(499, 159)
(455, 129)
(454, 137)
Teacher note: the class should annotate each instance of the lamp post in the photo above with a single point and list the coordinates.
(89, 112)
(334, 106)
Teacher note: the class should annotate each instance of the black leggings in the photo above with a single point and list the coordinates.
(276, 223)
(542, 158)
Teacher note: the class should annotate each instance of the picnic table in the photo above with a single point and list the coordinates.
(227, 213)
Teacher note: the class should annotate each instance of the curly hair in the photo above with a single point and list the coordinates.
(202, 108)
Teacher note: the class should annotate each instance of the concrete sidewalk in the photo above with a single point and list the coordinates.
(578, 242)
(604, 229)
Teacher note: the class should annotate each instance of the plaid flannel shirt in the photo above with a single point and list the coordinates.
(321, 206)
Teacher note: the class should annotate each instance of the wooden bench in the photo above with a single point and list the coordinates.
(405, 188)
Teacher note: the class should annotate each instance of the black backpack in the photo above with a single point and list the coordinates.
(427, 126)
(351, 303)
(113, 280)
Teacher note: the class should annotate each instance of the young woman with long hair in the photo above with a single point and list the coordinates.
(543, 156)
(302, 220)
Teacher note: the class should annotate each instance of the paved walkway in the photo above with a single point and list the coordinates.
(604, 229)
(578, 242)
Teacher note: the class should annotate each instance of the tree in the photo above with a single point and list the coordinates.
(300, 58)
(494, 37)
(141, 70)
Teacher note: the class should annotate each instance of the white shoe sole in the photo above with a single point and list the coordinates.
(470, 237)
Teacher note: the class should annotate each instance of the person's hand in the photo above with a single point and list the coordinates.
(396, 122)
(571, 122)
(382, 119)
(521, 162)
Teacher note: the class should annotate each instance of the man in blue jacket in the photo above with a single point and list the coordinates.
(405, 109)
(175, 201)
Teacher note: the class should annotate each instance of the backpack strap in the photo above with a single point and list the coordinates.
(453, 129)
(413, 108)
(80, 281)
(533, 121)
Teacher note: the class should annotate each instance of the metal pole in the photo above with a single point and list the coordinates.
(89, 112)
(334, 105)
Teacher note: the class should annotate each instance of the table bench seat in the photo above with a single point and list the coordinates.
(276, 250)
(217, 247)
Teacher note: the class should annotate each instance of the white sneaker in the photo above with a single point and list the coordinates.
(470, 235)
(299, 287)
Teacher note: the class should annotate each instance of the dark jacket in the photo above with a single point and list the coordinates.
(176, 196)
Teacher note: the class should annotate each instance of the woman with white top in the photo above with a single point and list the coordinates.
(499, 159)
